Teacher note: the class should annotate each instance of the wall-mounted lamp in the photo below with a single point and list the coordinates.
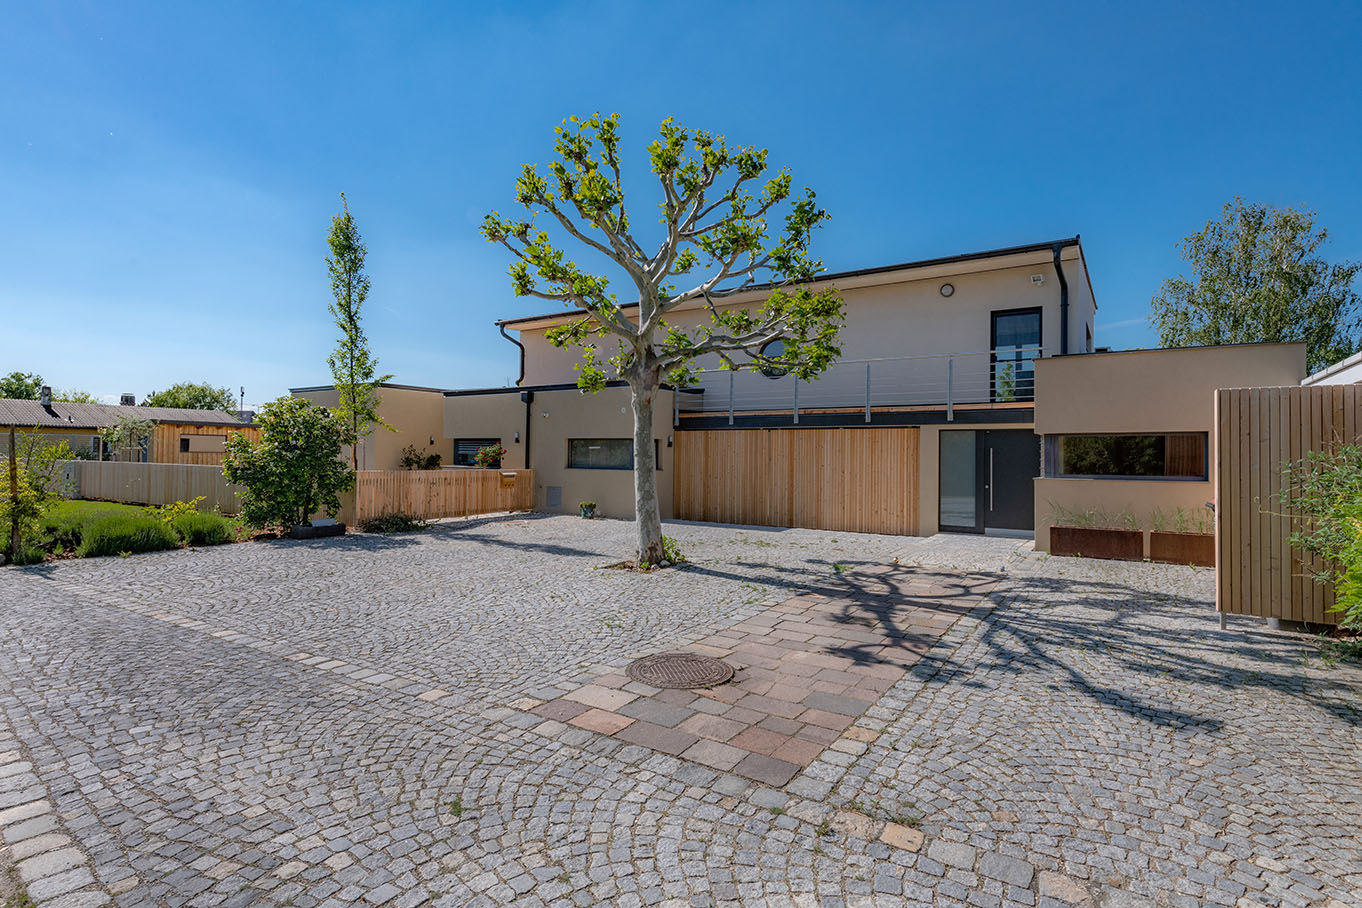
(432, 439)
(669, 441)
(545, 414)
(517, 438)
(1038, 279)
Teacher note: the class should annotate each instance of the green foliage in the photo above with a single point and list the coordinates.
(294, 470)
(196, 528)
(63, 522)
(168, 512)
(21, 386)
(74, 396)
(1323, 491)
(489, 456)
(415, 459)
(1092, 518)
(193, 396)
(393, 523)
(671, 550)
(716, 234)
(1257, 276)
(23, 509)
(1005, 382)
(127, 436)
(353, 367)
(119, 534)
(1181, 520)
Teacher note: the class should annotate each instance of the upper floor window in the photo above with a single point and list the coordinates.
(1016, 345)
(1172, 455)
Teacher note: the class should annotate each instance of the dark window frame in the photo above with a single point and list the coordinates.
(772, 371)
(1036, 349)
(567, 456)
(1053, 459)
(481, 443)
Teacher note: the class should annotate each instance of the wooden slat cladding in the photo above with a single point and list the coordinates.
(857, 480)
(153, 483)
(1258, 432)
(429, 494)
(165, 443)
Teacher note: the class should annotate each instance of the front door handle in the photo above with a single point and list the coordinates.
(990, 479)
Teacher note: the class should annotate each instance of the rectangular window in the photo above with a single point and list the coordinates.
(605, 454)
(1174, 455)
(1016, 346)
(203, 444)
(465, 449)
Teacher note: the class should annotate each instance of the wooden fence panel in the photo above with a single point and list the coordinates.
(430, 494)
(1258, 432)
(857, 480)
(152, 483)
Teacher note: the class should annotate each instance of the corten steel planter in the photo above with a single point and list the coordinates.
(306, 531)
(1119, 545)
(1182, 548)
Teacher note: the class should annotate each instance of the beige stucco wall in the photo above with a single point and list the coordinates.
(1152, 391)
(418, 416)
(555, 417)
(907, 316)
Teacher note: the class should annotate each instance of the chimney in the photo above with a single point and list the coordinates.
(127, 400)
(45, 395)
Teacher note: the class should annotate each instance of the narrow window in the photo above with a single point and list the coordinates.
(1016, 346)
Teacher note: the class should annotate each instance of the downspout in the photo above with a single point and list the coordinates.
(501, 326)
(1063, 303)
(528, 398)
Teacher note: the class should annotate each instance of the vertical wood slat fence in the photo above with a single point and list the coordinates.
(429, 494)
(151, 483)
(1260, 430)
(854, 480)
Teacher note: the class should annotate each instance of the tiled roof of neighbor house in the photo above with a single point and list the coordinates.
(63, 415)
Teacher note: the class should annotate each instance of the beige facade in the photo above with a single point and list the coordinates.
(416, 413)
(1145, 392)
(557, 415)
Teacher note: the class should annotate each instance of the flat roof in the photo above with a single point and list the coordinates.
(383, 384)
(859, 272)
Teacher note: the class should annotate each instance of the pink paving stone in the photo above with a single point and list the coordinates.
(758, 740)
(601, 721)
(600, 697)
(798, 750)
(716, 728)
(772, 706)
(824, 719)
(817, 733)
(561, 710)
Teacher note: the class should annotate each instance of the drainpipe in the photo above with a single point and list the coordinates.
(528, 398)
(1063, 303)
(501, 326)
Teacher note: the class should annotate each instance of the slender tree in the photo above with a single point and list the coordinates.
(353, 367)
(714, 235)
(1257, 275)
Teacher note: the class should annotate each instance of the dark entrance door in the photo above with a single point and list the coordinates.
(986, 479)
(1012, 462)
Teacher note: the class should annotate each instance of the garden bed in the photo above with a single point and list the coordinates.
(1092, 542)
(1182, 548)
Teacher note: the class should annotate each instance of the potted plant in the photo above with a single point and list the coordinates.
(587, 509)
(1183, 537)
(489, 458)
(1094, 533)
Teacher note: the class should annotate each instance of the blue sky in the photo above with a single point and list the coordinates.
(168, 171)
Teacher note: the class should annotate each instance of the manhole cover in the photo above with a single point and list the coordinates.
(675, 670)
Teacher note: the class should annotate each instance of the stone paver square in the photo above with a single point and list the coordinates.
(656, 711)
(658, 737)
(713, 753)
(561, 710)
(600, 697)
(766, 770)
(600, 720)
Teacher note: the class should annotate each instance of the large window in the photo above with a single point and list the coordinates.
(605, 454)
(1016, 346)
(1178, 455)
(465, 449)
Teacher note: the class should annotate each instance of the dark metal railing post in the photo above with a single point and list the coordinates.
(730, 398)
(796, 401)
(867, 392)
(950, 382)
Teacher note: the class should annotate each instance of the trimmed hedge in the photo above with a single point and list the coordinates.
(202, 529)
(119, 533)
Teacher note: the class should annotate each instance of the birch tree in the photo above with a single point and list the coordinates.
(726, 227)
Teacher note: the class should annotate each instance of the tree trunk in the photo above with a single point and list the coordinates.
(647, 517)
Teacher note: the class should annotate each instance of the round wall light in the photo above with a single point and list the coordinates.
(947, 289)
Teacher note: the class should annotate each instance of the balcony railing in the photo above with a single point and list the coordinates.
(945, 380)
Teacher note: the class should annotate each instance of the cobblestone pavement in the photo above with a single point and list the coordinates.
(329, 723)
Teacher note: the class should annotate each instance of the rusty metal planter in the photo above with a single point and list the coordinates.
(1182, 548)
(1120, 545)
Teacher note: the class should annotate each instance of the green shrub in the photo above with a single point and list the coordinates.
(392, 523)
(197, 528)
(117, 534)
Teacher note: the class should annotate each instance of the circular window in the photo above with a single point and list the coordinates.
(773, 349)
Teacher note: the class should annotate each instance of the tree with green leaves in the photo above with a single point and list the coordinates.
(21, 386)
(191, 395)
(353, 367)
(1258, 275)
(75, 396)
(714, 234)
(128, 434)
(294, 470)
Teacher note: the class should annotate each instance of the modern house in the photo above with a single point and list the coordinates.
(966, 385)
(178, 435)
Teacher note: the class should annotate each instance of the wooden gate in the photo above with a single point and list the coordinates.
(1260, 430)
(858, 480)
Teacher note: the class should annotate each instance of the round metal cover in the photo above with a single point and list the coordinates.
(679, 670)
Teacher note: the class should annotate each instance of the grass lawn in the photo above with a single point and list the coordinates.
(65, 522)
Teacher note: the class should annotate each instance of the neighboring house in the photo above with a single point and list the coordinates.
(417, 415)
(178, 435)
(1344, 372)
